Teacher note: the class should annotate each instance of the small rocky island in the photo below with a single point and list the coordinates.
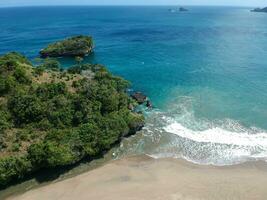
(259, 10)
(181, 9)
(70, 47)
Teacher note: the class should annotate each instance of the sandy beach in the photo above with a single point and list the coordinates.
(143, 178)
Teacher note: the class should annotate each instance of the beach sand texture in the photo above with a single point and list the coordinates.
(144, 178)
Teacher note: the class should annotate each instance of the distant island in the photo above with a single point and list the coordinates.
(181, 9)
(50, 117)
(74, 46)
(259, 10)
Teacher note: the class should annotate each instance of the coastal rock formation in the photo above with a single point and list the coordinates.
(182, 9)
(70, 47)
(149, 104)
(259, 10)
(135, 126)
(139, 97)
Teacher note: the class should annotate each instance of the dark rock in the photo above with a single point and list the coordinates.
(149, 104)
(139, 97)
(259, 10)
(181, 9)
(136, 128)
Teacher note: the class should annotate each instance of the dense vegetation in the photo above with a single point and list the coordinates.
(50, 117)
(74, 46)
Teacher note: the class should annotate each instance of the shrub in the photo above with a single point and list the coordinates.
(15, 147)
(7, 84)
(26, 108)
(13, 167)
(21, 76)
(50, 154)
(50, 64)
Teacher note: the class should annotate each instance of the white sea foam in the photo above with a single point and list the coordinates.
(218, 135)
(223, 142)
(177, 133)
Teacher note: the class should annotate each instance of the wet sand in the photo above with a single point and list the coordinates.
(144, 178)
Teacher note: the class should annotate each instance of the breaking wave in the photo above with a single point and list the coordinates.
(177, 133)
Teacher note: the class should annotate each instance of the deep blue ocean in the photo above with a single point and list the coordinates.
(204, 70)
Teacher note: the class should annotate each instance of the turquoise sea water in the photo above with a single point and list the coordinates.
(204, 70)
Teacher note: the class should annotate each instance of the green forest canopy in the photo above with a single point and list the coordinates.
(51, 117)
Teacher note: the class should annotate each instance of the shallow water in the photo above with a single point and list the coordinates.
(204, 70)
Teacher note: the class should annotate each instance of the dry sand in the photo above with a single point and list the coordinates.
(143, 178)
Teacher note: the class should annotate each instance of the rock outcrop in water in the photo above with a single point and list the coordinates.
(70, 47)
(182, 9)
(259, 10)
(139, 97)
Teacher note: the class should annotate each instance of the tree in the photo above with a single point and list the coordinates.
(26, 108)
(79, 60)
(13, 167)
(51, 64)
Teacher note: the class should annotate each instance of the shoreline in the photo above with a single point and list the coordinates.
(142, 177)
